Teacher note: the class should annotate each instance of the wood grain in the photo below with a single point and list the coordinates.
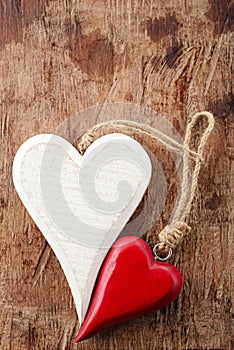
(59, 57)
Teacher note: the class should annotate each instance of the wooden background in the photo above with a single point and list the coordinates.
(175, 57)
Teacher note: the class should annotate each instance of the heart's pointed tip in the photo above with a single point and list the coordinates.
(80, 336)
(83, 334)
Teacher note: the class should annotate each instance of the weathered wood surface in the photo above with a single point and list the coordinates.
(58, 57)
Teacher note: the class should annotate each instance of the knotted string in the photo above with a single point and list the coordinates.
(171, 236)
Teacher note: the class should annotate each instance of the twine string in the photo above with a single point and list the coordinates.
(173, 233)
(140, 129)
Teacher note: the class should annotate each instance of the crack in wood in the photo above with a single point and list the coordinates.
(42, 262)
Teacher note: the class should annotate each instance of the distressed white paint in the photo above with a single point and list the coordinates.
(55, 183)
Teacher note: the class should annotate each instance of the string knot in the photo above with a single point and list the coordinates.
(86, 141)
(171, 237)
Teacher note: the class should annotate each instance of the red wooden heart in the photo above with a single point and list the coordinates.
(130, 284)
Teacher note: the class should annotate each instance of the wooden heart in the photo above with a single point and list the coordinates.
(130, 284)
(81, 203)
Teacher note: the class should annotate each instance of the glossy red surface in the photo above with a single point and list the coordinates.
(130, 284)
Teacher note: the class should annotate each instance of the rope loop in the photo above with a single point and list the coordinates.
(172, 235)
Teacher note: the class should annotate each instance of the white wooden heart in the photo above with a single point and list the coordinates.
(81, 203)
